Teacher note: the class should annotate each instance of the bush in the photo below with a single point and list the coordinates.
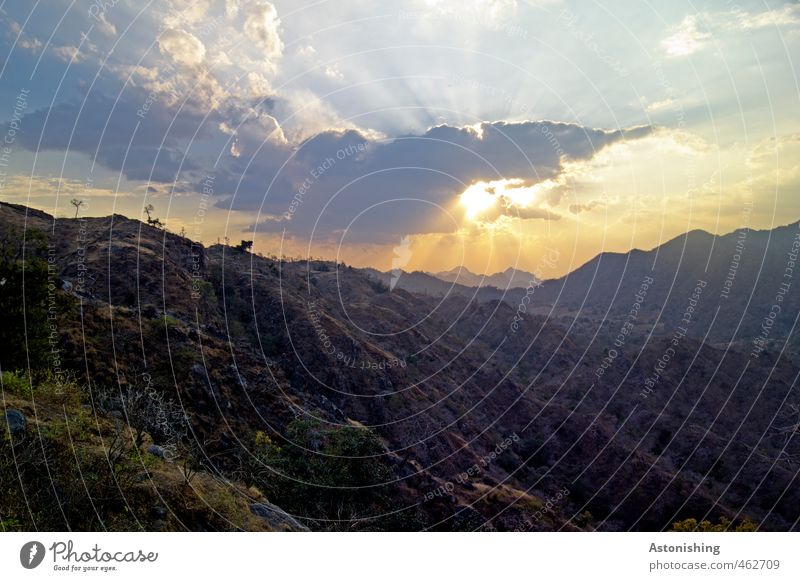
(45, 387)
(16, 383)
(690, 525)
(65, 479)
(23, 301)
(327, 473)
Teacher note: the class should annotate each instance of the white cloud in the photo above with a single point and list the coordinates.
(24, 41)
(333, 72)
(232, 9)
(659, 105)
(686, 38)
(261, 25)
(207, 62)
(67, 53)
(307, 51)
(187, 12)
(183, 47)
(235, 149)
(695, 30)
(105, 26)
(788, 15)
(258, 84)
(304, 114)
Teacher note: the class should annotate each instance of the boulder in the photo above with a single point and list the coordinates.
(159, 452)
(16, 422)
(158, 512)
(276, 518)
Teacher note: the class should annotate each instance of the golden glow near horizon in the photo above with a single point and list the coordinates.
(626, 197)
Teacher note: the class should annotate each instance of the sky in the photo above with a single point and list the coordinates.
(422, 134)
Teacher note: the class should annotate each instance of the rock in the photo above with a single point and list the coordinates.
(276, 518)
(16, 422)
(158, 452)
(158, 512)
(200, 376)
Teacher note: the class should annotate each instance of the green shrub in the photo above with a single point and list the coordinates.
(328, 473)
(23, 301)
(690, 525)
(45, 387)
(16, 383)
(64, 479)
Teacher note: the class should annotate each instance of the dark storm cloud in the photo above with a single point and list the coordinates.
(334, 182)
(336, 177)
(137, 134)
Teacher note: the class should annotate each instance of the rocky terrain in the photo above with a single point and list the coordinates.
(313, 389)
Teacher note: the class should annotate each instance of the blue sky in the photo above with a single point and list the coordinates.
(585, 126)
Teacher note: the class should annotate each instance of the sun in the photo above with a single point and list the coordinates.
(481, 197)
(478, 199)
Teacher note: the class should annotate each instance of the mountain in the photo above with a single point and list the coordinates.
(456, 282)
(428, 284)
(304, 394)
(461, 283)
(509, 278)
(748, 282)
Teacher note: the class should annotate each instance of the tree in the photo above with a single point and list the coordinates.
(246, 245)
(77, 203)
(147, 411)
(148, 209)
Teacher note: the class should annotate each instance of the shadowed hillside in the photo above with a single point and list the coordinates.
(355, 407)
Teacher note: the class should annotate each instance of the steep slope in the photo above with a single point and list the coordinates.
(486, 415)
(743, 275)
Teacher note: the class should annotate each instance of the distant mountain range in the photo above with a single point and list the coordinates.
(456, 282)
(749, 287)
(748, 282)
(509, 278)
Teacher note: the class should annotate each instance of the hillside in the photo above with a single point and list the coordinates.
(353, 407)
(748, 280)
(746, 272)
